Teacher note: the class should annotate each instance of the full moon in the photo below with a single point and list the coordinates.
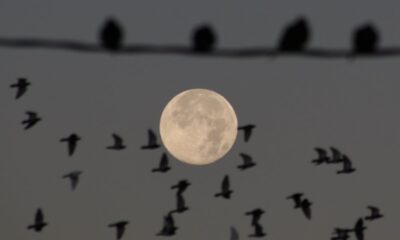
(198, 126)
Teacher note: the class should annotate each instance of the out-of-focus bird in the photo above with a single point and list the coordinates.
(347, 166)
(247, 161)
(118, 143)
(234, 234)
(365, 39)
(169, 228)
(295, 36)
(336, 156)
(72, 141)
(180, 205)
(163, 166)
(306, 208)
(152, 143)
(225, 189)
(322, 156)
(74, 178)
(21, 86)
(375, 213)
(297, 198)
(258, 231)
(204, 39)
(359, 229)
(256, 215)
(341, 234)
(247, 129)
(182, 185)
(120, 227)
(111, 35)
(39, 223)
(32, 120)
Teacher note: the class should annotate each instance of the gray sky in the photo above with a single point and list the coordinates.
(297, 104)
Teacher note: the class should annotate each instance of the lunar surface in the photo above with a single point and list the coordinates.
(198, 126)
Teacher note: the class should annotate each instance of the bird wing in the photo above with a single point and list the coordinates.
(20, 91)
(169, 221)
(247, 134)
(164, 161)
(120, 231)
(152, 137)
(39, 218)
(31, 114)
(321, 152)
(247, 159)
(234, 234)
(117, 139)
(225, 184)
(180, 202)
(346, 162)
(71, 147)
(307, 211)
(74, 181)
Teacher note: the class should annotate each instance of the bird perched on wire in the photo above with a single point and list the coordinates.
(32, 119)
(375, 214)
(39, 223)
(111, 35)
(21, 86)
(152, 141)
(226, 191)
(164, 165)
(169, 228)
(118, 143)
(74, 178)
(204, 39)
(295, 36)
(120, 227)
(365, 39)
(248, 130)
(72, 142)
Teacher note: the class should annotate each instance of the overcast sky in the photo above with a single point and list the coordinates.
(296, 103)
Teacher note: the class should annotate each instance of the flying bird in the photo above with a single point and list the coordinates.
(204, 39)
(72, 141)
(21, 86)
(163, 166)
(256, 215)
(295, 36)
(234, 234)
(347, 166)
(180, 205)
(225, 189)
(39, 223)
(111, 35)
(297, 198)
(152, 143)
(169, 228)
(120, 227)
(365, 39)
(322, 157)
(336, 156)
(118, 143)
(182, 185)
(375, 214)
(359, 229)
(306, 208)
(247, 129)
(74, 178)
(247, 161)
(32, 120)
(258, 231)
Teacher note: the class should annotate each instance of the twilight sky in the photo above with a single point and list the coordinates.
(296, 103)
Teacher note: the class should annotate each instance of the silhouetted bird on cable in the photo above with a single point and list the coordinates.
(365, 39)
(21, 86)
(347, 166)
(180, 205)
(306, 208)
(322, 157)
(39, 223)
(120, 227)
(74, 178)
(297, 198)
(32, 120)
(247, 162)
(375, 213)
(152, 143)
(336, 156)
(359, 229)
(72, 141)
(225, 189)
(204, 39)
(111, 35)
(295, 36)
(234, 234)
(258, 231)
(247, 129)
(163, 166)
(256, 215)
(118, 143)
(181, 186)
(341, 234)
(169, 228)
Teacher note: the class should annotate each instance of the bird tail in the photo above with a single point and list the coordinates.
(155, 170)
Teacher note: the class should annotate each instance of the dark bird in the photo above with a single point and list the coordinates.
(297, 198)
(258, 231)
(180, 205)
(181, 186)
(375, 214)
(118, 143)
(152, 143)
(169, 228)
(32, 120)
(295, 36)
(336, 156)
(120, 227)
(341, 234)
(21, 86)
(359, 229)
(322, 157)
(234, 234)
(247, 162)
(365, 39)
(111, 35)
(225, 189)
(306, 208)
(347, 166)
(256, 215)
(74, 178)
(72, 141)
(204, 39)
(39, 221)
(247, 129)
(163, 166)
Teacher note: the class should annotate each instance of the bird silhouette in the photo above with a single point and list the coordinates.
(336, 156)
(225, 189)
(32, 120)
(295, 36)
(341, 234)
(347, 166)
(180, 204)
(359, 229)
(111, 35)
(39, 223)
(247, 129)
(297, 198)
(118, 143)
(204, 39)
(72, 141)
(234, 234)
(163, 166)
(258, 231)
(152, 143)
(365, 39)
(322, 156)
(247, 161)
(375, 213)
(182, 185)
(306, 208)
(120, 227)
(256, 215)
(74, 178)
(169, 228)
(21, 86)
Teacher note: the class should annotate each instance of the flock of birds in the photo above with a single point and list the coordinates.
(169, 228)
